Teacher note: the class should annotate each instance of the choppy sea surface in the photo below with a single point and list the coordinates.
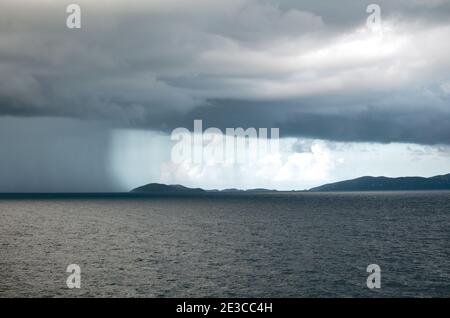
(262, 245)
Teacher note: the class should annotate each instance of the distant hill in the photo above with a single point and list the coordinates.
(359, 184)
(388, 184)
(158, 188)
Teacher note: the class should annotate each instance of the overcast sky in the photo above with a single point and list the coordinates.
(91, 109)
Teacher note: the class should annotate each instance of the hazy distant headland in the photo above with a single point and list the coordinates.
(436, 183)
(441, 182)
(159, 188)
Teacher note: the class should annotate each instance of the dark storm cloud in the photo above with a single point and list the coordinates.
(362, 124)
(348, 12)
(309, 68)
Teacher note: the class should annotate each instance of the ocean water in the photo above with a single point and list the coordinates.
(264, 245)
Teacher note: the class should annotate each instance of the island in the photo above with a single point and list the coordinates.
(367, 183)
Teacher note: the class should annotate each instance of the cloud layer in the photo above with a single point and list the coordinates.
(311, 70)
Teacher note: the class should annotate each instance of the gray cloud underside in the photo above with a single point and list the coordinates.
(301, 66)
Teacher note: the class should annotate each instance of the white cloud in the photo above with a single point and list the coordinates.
(282, 170)
(145, 157)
